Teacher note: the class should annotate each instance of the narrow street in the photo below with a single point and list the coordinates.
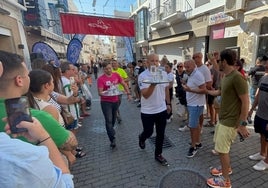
(128, 166)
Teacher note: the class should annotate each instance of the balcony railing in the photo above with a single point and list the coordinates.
(170, 8)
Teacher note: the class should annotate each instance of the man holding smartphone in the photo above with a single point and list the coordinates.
(18, 157)
(14, 82)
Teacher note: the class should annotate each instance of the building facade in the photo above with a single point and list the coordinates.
(12, 35)
(179, 28)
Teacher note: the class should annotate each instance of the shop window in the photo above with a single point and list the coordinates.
(263, 38)
(264, 26)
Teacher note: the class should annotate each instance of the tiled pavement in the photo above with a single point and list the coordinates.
(128, 166)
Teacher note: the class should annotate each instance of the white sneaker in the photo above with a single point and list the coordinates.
(214, 152)
(136, 100)
(185, 128)
(256, 157)
(261, 166)
(169, 120)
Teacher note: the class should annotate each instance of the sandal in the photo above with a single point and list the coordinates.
(80, 154)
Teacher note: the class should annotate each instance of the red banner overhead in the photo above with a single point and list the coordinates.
(82, 24)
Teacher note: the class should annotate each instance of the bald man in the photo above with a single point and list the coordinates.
(155, 104)
(196, 99)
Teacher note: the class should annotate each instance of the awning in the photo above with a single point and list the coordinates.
(257, 13)
(169, 40)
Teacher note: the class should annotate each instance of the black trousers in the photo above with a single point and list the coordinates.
(148, 122)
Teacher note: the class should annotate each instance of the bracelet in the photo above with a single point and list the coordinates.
(168, 104)
(39, 142)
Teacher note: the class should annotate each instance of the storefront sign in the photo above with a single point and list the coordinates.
(232, 31)
(218, 18)
(217, 31)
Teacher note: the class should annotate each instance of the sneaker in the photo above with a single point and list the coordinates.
(113, 144)
(137, 100)
(218, 182)
(214, 152)
(139, 105)
(198, 146)
(141, 143)
(218, 172)
(119, 120)
(192, 151)
(161, 160)
(185, 128)
(169, 120)
(261, 166)
(256, 157)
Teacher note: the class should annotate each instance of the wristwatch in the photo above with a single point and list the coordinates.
(243, 123)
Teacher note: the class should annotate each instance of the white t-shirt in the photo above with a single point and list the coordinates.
(72, 108)
(156, 103)
(194, 81)
(206, 72)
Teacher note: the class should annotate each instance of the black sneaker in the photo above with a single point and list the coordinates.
(161, 160)
(192, 151)
(198, 146)
(119, 119)
(139, 105)
(141, 143)
(113, 144)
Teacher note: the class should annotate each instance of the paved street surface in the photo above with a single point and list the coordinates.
(128, 166)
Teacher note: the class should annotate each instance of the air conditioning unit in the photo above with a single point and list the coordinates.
(232, 6)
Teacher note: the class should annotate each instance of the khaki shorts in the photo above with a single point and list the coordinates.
(223, 138)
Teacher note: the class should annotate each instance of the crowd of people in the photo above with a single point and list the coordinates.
(220, 85)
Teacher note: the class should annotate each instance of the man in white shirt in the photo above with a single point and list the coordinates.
(155, 103)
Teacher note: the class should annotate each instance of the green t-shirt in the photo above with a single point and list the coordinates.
(123, 75)
(232, 86)
(58, 134)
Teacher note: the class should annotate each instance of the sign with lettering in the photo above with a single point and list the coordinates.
(82, 24)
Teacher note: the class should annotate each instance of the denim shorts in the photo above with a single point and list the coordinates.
(72, 126)
(194, 113)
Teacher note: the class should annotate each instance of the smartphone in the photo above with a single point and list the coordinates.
(17, 110)
(72, 81)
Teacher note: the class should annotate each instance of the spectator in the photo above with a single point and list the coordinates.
(68, 70)
(195, 95)
(30, 165)
(239, 67)
(170, 75)
(255, 74)
(232, 116)
(15, 68)
(261, 121)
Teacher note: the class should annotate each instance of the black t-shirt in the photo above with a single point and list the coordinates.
(256, 74)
